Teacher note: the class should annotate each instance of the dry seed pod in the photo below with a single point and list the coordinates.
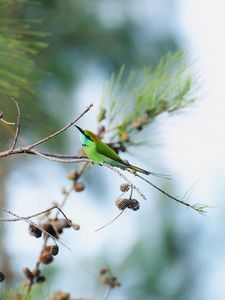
(137, 125)
(73, 175)
(61, 223)
(124, 137)
(133, 204)
(66, 223)
(103, 271)
(27, 272)
(46, 257)
(63, 190)
(114, 147)
(115, 282)
(34, 231)
(40, 279)
(49, 228)
(78, 186)
(59, 231)
(76, 226)
(36, 272)
(122, 203)
(54, 250)
(2, 277)
(105, 280)
(101, 131)
(122, 148)
(111, 281)
(124, 187)
(60, 296)
(47, 249)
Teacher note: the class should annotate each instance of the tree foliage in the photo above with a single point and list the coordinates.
(19, 42)
(133, 100)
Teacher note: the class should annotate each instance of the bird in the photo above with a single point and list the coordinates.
(101, 153)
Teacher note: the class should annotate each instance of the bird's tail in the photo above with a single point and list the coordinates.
(137, 169)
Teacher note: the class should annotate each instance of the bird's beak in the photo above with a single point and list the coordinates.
(81, 130)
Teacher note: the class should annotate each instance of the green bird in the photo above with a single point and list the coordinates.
(101, 153)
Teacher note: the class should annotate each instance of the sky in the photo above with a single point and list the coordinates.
(202, 132)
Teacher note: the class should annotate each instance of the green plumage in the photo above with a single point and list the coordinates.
(101, 153)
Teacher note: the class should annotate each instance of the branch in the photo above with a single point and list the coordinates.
(110, 222)
(35, 225)
(61, 160)
(200, 208)
(61, 130)
(34, 215)
(29, 149)
(17, 125)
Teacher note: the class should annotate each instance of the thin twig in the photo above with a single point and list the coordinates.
(83, 168)
(165, 193)
(61, 130)
(58, 155)
(17, 125)
(110, 222)
(31, 280)
(28, 217)
(108, 293)
(7, 122)
(35, 225)
(64, 201)
(35, 215)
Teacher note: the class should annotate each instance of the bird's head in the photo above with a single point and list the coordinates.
(87, 136)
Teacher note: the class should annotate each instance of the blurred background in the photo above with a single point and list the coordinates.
(163, 251)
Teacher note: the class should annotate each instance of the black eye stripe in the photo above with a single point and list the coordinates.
(88, 137)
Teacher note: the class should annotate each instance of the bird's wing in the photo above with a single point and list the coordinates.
(108, 152)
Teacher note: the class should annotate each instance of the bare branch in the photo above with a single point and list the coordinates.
(29, 149)
(61, 130)
(35, 215)
(28, 217)
(58, 155)
(35, 225)
(110, 222)
(64, 201)
(65, 161)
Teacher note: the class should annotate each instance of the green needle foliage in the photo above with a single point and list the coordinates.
(19, 42)
(133, 101)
